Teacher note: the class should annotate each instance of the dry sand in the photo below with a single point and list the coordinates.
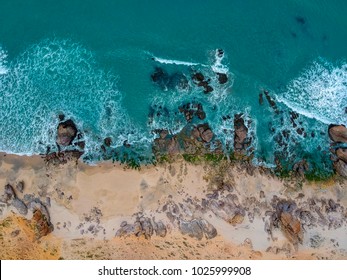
(88, 203)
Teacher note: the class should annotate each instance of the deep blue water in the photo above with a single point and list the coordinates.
(92, 61)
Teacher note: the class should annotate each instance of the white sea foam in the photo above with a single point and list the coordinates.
(60, 76)
(3, 62)
(218, 66)
(176, 62)
(320, 92)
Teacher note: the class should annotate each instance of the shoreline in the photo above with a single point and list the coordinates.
(239, 204)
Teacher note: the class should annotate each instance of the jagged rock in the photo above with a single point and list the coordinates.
(125, 230)
(206, 133)
(241, 142)
(20, 186)
(222, 78)
(236, 219)
(291, 227)
(341, 168)
(199, 77)
(338, 133)
(20, 206)
(66, 133)
(160, 229)
(192, 228)
(342, 154)
(62, 157)
(9, 194)
(41, 224)
(147, 228)
(301, 167)
(208, 229)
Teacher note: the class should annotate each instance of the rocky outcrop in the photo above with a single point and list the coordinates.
(41, 224)
(200, 81)
(143, 226)
(197, 228)
(66, 133)
(191, 110)
(62, 157)
(241, 140)
(205, 132)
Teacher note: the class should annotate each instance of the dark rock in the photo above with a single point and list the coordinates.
(161, 78)
(66, 133)
(206, 133)
(20, 206)
(160, 229)
(301, 20)
(20, 186)
(220, 53)
(123, 224)
(208, 229)
(208, 89)
(261, 99)
(222, 78)
(126, 230)
(147, 228)
(338, 133)
(9, 194)
(192, 228)
(301, 167)
(61, 117)
(241, 142)
(108, 141)
(199, 77)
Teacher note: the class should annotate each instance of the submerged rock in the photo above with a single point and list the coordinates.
(222, 78)
(66, 133)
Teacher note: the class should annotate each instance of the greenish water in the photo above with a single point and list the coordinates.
(92, 60)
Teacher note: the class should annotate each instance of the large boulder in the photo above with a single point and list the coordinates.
(206, 133)
(341, 168)
(66, 133)
(338, 133)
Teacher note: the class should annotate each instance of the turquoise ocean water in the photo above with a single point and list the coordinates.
(92, 61)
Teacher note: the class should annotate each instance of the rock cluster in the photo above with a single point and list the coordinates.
(40, 220)
(200, 81)
(143, 226)
(166, 81)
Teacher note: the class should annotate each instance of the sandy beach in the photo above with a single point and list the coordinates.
(184, 211)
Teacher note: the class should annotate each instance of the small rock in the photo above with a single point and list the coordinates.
(15, 233)
(20, 186)
(222, 78)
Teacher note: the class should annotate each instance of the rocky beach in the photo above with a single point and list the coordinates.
(201, 206)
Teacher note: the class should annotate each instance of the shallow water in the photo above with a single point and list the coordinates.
(93, 61)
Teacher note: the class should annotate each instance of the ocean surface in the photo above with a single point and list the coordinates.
(93, 60)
